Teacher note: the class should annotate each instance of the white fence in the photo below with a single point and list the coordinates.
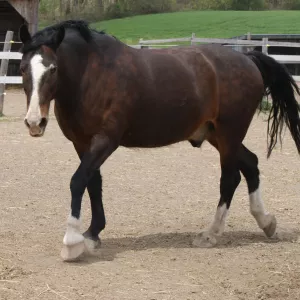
(232, 42)
(10, 79)
(236, 44)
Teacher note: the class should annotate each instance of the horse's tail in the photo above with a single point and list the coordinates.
(285, 108)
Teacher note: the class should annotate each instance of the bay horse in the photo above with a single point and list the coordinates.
(108, 94)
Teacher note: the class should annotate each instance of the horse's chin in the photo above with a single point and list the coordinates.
(37, 131)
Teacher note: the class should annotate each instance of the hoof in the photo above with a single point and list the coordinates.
(270, 230)
(91, 245)
(204, 240)
(72, 252)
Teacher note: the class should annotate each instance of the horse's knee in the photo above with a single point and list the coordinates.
(229, 183)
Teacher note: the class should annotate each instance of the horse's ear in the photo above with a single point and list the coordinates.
(58, 38)
(24, 34)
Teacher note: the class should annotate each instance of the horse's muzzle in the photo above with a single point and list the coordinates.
(36, 129)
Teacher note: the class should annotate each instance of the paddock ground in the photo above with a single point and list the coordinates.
(156, 201)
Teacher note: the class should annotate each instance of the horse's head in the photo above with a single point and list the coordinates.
(39, 71)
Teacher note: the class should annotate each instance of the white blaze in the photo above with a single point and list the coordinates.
(33, 115)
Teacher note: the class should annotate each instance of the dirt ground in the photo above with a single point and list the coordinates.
(156, 201)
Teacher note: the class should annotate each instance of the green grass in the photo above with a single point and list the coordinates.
(219, 24)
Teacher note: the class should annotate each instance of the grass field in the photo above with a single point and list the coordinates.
(204, 23)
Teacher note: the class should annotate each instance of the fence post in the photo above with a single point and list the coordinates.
(193, 36)
(236, 46)
(4, 67)
(265, 46)
(142, 45)
(248, 48)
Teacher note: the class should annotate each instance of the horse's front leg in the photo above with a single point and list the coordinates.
(94, 188)
(101, 148)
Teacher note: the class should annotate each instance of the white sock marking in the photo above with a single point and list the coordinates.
(73, 235)
(257, 209)
(33, 115)
(218, 225)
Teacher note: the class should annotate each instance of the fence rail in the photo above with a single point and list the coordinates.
(11, 80)
(194, 40)
(232, 41)
(11, 55)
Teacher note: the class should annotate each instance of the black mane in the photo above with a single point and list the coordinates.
(44, 36)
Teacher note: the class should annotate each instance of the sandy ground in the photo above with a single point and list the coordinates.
(156, 201)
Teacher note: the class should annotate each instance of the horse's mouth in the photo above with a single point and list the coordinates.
(37, 131)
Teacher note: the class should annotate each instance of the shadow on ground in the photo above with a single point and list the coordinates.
(113, 246)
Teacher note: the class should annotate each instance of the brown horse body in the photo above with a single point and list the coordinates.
(109, 95)
(148, 80)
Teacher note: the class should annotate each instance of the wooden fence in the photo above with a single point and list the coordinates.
(265, 43)
(237, 44)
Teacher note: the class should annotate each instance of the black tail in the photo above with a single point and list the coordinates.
(285, 109)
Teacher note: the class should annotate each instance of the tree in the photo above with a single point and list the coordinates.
(247, 4)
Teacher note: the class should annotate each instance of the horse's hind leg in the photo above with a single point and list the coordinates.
(248, 165)
(230, 179)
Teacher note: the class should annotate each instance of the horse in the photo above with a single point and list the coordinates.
(108, 94)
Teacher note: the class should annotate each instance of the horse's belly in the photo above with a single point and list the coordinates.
(159, 132)
(135, 141)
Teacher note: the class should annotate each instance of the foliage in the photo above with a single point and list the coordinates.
(292, 4)
(283, 4)
(247, 4)
(52, 10)
(122, 8)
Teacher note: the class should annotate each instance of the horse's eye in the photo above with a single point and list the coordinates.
(53, 69)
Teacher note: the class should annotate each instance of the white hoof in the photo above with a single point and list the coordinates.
(205, 240)
(72, 252)
(270, 229)
(73, 241)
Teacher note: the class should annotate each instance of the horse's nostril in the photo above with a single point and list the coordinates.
(43, 122)
(26, 123)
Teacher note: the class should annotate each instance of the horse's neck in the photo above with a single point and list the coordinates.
(83, 69)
